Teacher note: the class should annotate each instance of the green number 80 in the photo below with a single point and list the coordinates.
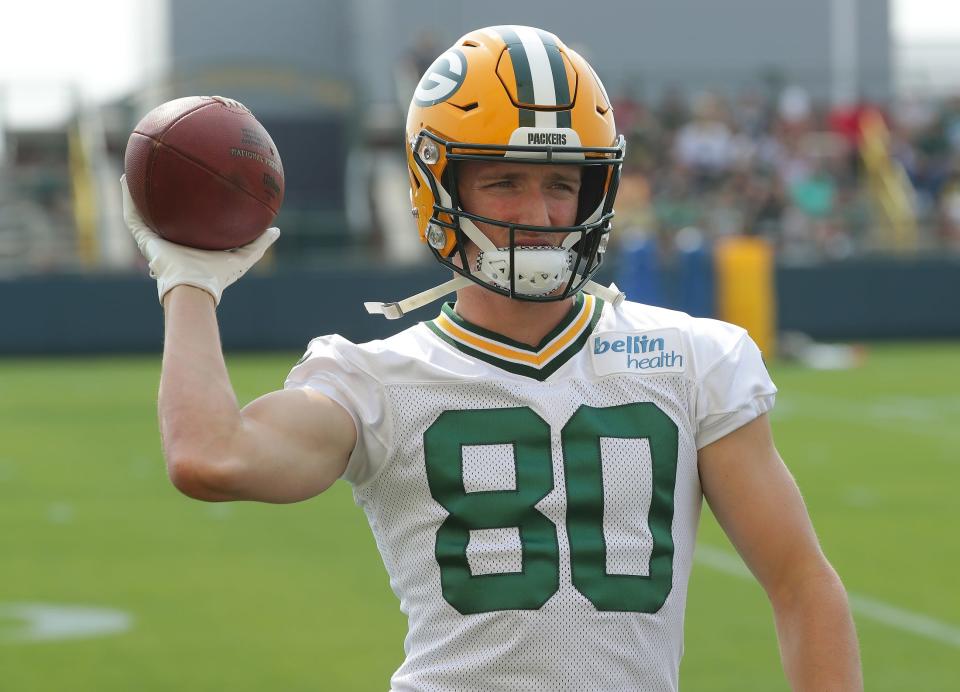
(539, 578)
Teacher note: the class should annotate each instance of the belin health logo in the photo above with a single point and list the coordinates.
(639, 352)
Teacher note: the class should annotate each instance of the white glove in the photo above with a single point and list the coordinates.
(172, 265)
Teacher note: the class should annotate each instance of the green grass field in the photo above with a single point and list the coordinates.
(256, 597)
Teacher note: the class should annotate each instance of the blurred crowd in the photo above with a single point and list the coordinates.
(781, 166)
(820, 183)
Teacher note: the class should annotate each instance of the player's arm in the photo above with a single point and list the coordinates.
(286, 446)
(759, 506)
(283, 447)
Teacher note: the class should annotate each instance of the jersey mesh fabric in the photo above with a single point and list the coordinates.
(627, 490)
(567, 643)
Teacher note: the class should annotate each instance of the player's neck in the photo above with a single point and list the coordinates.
(519, 320)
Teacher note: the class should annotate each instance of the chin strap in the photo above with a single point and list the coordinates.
(610, 294)
(392, 311)
(396, 310)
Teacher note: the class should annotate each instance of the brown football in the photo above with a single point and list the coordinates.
(204, 172)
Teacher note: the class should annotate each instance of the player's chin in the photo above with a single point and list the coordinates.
(545, 296)
(555, 293)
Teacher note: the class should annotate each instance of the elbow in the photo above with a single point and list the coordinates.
(202, 479)
(816, 581)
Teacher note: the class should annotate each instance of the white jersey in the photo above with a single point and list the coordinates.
(536, 508)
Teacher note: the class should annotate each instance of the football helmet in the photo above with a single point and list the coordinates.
(518, 94)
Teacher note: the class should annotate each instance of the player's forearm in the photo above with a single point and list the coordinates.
(818, 641)
(198, 410)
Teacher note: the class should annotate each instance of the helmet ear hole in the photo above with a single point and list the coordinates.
(592, 188)
(448, 180)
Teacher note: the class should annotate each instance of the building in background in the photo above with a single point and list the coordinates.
(823, 46)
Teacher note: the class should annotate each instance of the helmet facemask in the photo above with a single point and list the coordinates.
(533, 273)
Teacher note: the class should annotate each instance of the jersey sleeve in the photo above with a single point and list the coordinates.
(734, 388)
(333, 366)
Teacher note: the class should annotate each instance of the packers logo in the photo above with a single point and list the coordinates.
(442, 79)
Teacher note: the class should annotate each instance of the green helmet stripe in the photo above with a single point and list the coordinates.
(560, 85)
(521, 72)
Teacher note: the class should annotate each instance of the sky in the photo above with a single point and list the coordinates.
(100, 49)
(925, 21)
(96, 50)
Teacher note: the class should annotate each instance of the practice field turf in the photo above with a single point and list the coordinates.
(257, 597)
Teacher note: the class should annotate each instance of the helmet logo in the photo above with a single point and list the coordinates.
(442, 79)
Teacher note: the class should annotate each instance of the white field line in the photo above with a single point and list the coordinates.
(929, 417)
(864, 606)
(40, 622)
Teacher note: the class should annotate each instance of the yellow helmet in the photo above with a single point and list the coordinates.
(511, 93)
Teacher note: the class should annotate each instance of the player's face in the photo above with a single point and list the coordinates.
(532, 194)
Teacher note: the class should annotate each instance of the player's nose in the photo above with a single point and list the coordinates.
(534, 210)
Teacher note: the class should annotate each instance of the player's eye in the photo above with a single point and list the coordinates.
(566, 187)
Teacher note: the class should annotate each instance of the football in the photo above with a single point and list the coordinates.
(203, 172)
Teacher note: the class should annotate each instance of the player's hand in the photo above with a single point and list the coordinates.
(173, 265)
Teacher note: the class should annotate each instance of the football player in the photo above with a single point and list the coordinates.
(532, 461)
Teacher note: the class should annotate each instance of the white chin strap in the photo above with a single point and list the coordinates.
(396, 310)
